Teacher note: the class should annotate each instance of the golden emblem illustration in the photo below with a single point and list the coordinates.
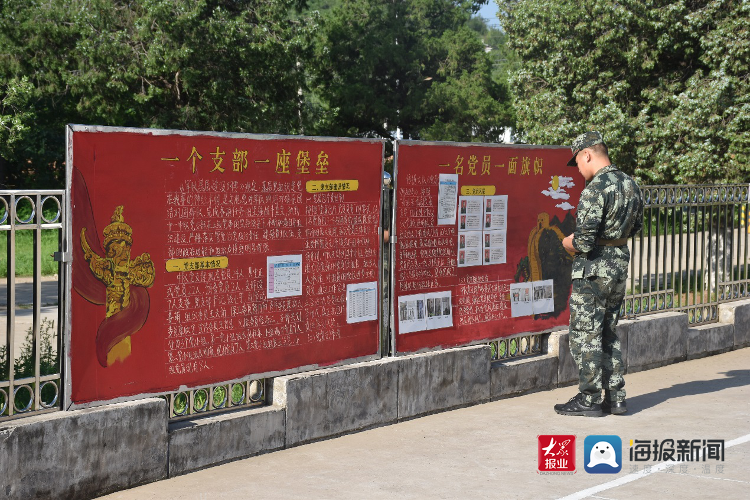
(119, 273)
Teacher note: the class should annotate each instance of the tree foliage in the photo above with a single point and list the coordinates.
(186, 64)
(666, 81)
(319, 67)
(504, 60)
(409, 65)
(17, 119)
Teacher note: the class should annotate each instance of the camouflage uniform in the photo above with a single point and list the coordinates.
(611, 208)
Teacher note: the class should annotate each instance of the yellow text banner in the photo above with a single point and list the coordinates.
(331, 186)
(477, 190)
(197, 264)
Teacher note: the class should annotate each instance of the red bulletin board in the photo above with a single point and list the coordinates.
(490, 277)
(200, 258)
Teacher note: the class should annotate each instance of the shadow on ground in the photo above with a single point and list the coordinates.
(734, 378)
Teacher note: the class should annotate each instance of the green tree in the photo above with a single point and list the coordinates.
(324, 7)
(411, 65)
(17, 118)
(180, 64)
(504, 60)
(666, 81)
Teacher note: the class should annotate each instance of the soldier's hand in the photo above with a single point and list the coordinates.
(568, 244)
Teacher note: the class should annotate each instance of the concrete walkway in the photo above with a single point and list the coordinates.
(490, 450)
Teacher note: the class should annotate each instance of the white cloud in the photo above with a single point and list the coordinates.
(565, 206)
(565, 182)
(560, 194)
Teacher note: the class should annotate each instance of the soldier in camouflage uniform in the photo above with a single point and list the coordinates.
(609, 212)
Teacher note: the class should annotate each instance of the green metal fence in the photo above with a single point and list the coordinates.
(30, 368)
(692, 253)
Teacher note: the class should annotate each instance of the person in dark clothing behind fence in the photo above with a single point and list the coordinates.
(609, 212)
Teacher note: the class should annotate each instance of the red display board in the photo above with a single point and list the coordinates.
(200, 258)
(478, 249)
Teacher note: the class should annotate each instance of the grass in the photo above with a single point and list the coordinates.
(25, 244)
(25, 253)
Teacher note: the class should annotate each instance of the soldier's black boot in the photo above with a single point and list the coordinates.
(613, 407)
(578, 407)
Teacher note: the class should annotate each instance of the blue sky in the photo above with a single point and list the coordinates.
(489, 12)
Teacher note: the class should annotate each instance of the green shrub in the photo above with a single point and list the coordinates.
(23, 366)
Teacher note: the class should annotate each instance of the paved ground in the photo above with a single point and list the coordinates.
(25, 291)
(23, 307)
(490, 450)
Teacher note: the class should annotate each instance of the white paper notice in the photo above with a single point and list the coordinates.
(361, 302)
(469, 248)
(496, 212)
(411, 313)
(544, 301)
(470, 213)
(284, 276)
(494, 247)
(439, 311)
(520, 300)
(484, 217)
(447, 194)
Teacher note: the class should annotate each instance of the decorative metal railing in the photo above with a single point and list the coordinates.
(30, 350)
(216, 398)
(692, 253)
(516, 347)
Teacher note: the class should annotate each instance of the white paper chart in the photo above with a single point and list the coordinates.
(361, 302)
(284, 276)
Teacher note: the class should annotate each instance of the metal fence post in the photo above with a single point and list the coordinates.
(385, 279)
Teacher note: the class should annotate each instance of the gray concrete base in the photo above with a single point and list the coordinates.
(707, 340)
(440, 380)
(657, 340)
(521, 376)
(86, 453)
(623, 332)
(325, 403)
(195, 444)
(737, 314)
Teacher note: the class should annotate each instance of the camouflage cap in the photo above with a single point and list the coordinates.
(584, 141)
